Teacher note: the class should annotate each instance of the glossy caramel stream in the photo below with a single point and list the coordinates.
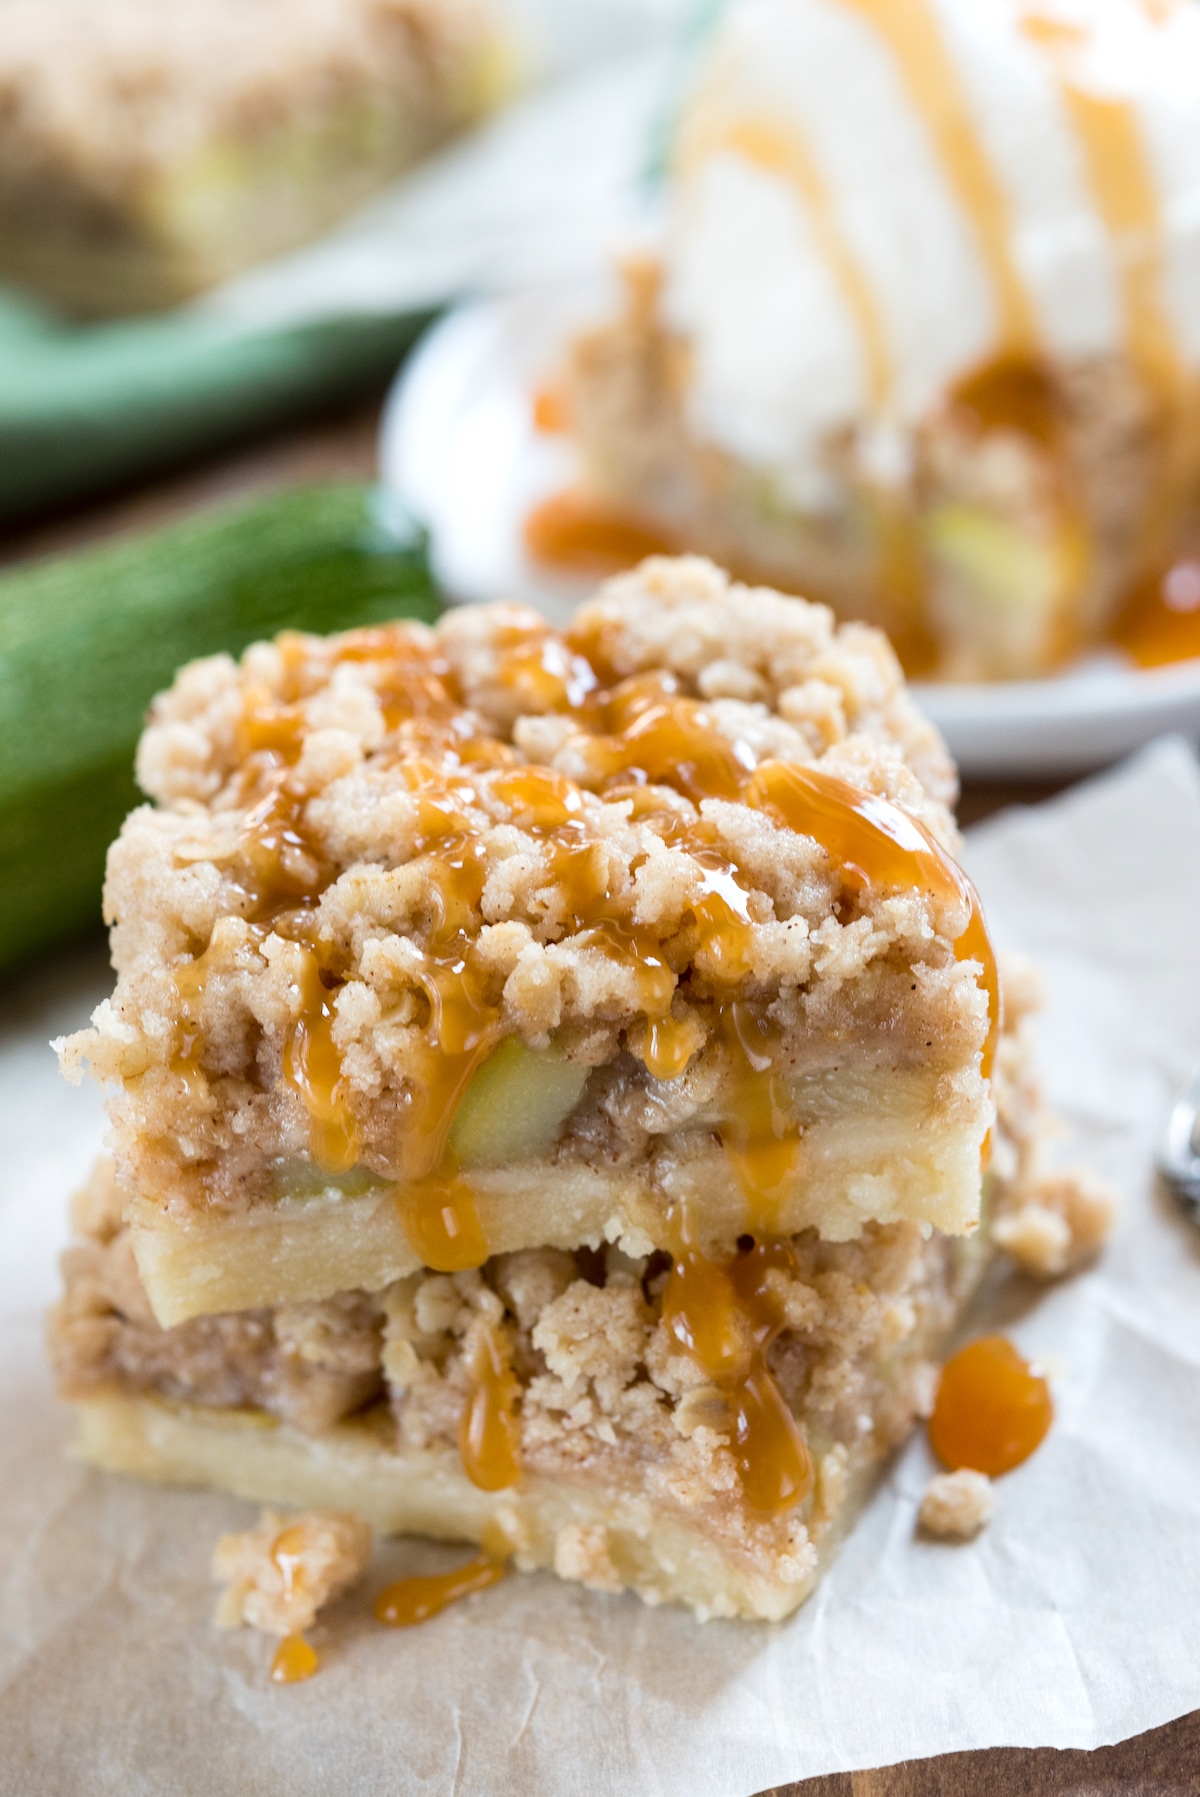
(415, 1600)
(488, 1433)
(295, 1660)
(724, 1313)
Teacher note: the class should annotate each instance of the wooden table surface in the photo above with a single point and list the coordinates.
(341, 444)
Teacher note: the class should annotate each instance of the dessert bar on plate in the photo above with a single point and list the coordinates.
(552, 1080)
(150, 150)
(920, 338)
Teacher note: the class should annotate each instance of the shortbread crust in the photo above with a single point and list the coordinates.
(635, 893)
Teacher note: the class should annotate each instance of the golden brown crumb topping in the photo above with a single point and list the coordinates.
(956, 1505)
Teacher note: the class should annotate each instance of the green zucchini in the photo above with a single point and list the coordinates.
(87, 640)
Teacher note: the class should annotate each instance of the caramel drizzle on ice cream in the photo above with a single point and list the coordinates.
(568, 530)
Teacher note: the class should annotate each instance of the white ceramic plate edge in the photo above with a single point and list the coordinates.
(459, 449)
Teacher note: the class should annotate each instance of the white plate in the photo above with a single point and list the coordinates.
(460, 450)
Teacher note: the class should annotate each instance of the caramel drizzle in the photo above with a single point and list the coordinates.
(295, 1658)
(488, 1433)
(873, 842)
(784, 151)
(410, 1601)
(1128, 202)
(1124, 188)
(312, 1066)
(1126, 196)
(915, 39)
(726, 1315)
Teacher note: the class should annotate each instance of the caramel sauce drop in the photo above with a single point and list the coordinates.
(441, 1221)
(190, 981)
(551, 410)
(295, 1660)
(760, 1135)
(589, 536)
(312, 1066)
(410, 1601)
(488, 1433)
(726, 1316)
(666, 1047)
(1013, 393)
(992, 1410)
(1160, 623)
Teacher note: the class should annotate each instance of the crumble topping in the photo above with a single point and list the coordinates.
(343, 825)
(103, 93)
(956, 1506)
(1052, 1221)
(280, 1574)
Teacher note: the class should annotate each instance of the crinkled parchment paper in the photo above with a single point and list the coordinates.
(1071, 1622)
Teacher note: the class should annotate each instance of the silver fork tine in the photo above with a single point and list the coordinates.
(1178, 1157)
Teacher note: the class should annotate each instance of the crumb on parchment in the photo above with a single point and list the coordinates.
(1057, 1223)
(956, 1505)
(280, 1574)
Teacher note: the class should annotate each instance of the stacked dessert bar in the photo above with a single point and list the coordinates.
(148, 151)
(553, 1077)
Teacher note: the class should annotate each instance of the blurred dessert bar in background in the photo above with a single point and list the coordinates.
(553, 1078)
(922, 337)
(151, 150)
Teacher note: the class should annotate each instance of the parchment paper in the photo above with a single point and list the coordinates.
(1072, 1622)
